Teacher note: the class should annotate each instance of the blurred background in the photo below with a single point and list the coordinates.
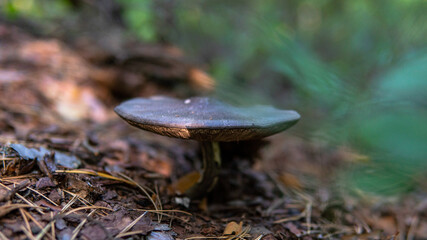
(355, 70)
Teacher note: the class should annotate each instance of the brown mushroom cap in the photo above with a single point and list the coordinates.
(205, 119)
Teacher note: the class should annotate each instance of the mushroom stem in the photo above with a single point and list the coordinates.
(211, 163)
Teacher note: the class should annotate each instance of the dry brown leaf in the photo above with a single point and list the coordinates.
(233, 228)
(290, 181)
(201, 80)
(387, 223)
(74, 102)
(351, 155)
(186, 182)
(161, 164)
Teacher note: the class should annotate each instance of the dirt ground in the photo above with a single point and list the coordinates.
(72, 169)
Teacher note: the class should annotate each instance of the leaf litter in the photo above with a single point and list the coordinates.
(70, 169)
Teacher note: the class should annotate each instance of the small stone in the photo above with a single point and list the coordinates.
(159, 236)
(65, 234)
(161, 227)
(60, 224)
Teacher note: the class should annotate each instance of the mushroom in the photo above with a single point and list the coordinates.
(208, 121)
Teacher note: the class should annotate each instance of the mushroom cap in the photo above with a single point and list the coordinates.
(205, 119)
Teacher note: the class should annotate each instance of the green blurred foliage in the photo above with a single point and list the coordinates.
(139, 16)
(355, 70)
(43, 11)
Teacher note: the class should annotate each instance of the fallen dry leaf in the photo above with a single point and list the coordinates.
(290, 181)
(185, 182)
(233, 228)
(201, 80)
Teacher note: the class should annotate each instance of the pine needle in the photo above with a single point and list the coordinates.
(52, 226)
(84, 201)
(5, 209)
(3, 237)
(27, 233)
(145, 192)
(39, 193)
(79, 227)
(38, 208)
(27, 224)
(129, 226)
(95, 173)
(87, 207)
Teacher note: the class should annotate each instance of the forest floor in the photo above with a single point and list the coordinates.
(72, 169)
